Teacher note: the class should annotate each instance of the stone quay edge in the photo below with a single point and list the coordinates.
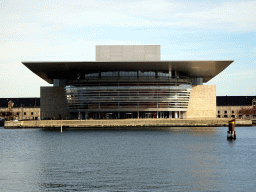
(124, 123)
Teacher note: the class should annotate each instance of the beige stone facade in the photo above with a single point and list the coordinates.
(202, 102)
(233, 112)
(19, 113)
(128, 53)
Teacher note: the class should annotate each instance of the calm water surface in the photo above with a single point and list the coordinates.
(169, 159)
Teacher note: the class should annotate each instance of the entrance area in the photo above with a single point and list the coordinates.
(129, 115)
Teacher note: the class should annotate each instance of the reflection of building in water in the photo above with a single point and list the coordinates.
(19, 108)
(128, 82)
(236, 107)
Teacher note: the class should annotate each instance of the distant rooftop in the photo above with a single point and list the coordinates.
(25, 102)
(234, 100)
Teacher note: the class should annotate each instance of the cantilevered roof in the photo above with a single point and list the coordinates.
(68, 70)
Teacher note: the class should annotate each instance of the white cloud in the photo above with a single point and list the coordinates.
(232, 16)
(235, 16)
(69, 30)
(47, 15)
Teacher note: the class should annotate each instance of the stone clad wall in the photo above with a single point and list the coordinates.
(125, 123)
(20, 113)
(202, 102)
(128, 53)
(53, 103)
(233, 112)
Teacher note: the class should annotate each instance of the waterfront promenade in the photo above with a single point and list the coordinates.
(125, 123)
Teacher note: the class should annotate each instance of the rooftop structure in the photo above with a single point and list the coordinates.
(20, 102)
(235, 100)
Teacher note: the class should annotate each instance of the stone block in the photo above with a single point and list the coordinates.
(202, 102)
(151, 57)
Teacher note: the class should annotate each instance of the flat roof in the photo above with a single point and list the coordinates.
(25, 102)
(234, 100)
(49, 70)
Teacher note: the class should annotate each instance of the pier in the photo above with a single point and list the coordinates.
(124, 123)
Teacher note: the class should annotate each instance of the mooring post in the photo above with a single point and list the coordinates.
(231, 131)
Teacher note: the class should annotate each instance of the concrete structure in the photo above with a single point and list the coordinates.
(241, 107)
(124, 123)
(128, 53)
(202, 102)
(128, 82)
(53, 103)
(20, 108)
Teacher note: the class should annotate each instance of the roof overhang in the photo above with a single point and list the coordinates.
(68, 70)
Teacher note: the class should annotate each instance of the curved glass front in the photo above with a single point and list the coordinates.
(128, 90)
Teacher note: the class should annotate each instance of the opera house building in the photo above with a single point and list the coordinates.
(129, 81)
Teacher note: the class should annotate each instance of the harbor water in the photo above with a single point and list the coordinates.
(155, 159)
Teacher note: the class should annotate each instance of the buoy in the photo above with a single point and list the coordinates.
(231, 130)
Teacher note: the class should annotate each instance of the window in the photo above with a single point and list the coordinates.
(31, 113)
(233, 116)
(92, 76)
(109, 74)
(218, 116)
(17, 113)
(232, 111)
(218, 111)
(25, 113)
(225, 111)
(225, 116)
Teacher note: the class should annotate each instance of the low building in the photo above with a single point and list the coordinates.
(20, 108)
(241, 107)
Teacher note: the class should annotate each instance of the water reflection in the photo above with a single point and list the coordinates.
(159, 159)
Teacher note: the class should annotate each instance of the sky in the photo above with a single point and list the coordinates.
(64, 30)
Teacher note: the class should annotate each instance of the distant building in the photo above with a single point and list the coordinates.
(242, 107)
(128, 81)
(20, 108)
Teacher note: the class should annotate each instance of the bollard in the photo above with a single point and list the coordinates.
(61, 128)
(231, 130)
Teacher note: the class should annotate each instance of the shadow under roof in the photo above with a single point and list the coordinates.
(68, 70)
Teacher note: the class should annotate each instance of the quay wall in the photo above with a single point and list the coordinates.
(126, 123)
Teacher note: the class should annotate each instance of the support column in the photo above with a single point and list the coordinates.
(138, 114)
(170, 114)
(175, 114)
(118, 115)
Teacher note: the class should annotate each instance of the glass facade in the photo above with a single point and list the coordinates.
(128, 94)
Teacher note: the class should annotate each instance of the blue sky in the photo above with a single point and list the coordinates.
(69, 30)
